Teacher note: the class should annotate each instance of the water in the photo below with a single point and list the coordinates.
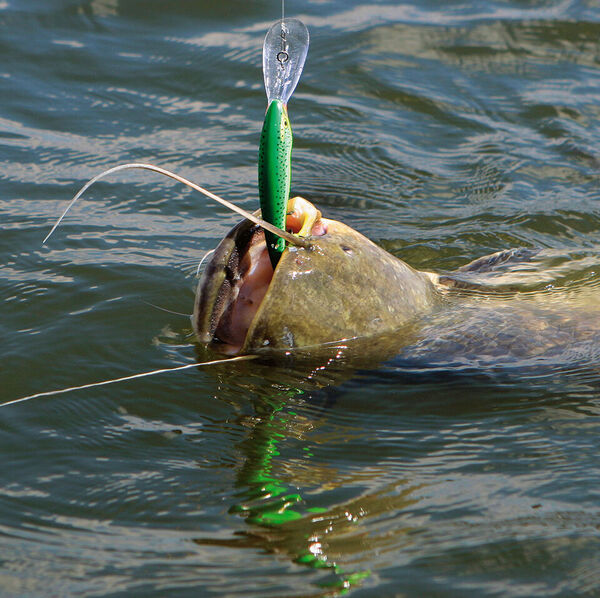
(443, 133)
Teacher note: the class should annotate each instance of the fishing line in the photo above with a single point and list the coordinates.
(50, 393)
(283, 56)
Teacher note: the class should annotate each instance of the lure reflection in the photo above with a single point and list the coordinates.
(288, 510)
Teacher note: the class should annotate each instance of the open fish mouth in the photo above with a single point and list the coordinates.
(236, 280)
(343, 286)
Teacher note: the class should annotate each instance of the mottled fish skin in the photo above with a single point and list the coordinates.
(344, 287)
(538, 331)
(274, 173)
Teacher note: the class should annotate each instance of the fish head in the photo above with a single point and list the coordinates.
(341, 286)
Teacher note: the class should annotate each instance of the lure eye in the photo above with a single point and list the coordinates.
(284, 53)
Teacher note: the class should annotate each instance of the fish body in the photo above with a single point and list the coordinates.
(343, 288)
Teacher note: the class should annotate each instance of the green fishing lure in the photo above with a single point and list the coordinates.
(274, 173)
(284, 52)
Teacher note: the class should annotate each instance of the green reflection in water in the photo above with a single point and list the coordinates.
(271, 503)
(277, 495)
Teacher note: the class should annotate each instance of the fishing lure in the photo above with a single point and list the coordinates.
(284, 53)
(274, 173)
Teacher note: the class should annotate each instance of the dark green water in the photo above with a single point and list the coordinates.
(443, 131)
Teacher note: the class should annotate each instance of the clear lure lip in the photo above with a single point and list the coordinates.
(284, 53)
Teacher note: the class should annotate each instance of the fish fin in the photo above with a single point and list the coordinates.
(487, 263)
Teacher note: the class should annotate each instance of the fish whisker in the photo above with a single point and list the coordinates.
(293, 239)
(202, 260)
(169, 311)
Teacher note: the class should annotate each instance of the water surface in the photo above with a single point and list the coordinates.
(442, 131)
